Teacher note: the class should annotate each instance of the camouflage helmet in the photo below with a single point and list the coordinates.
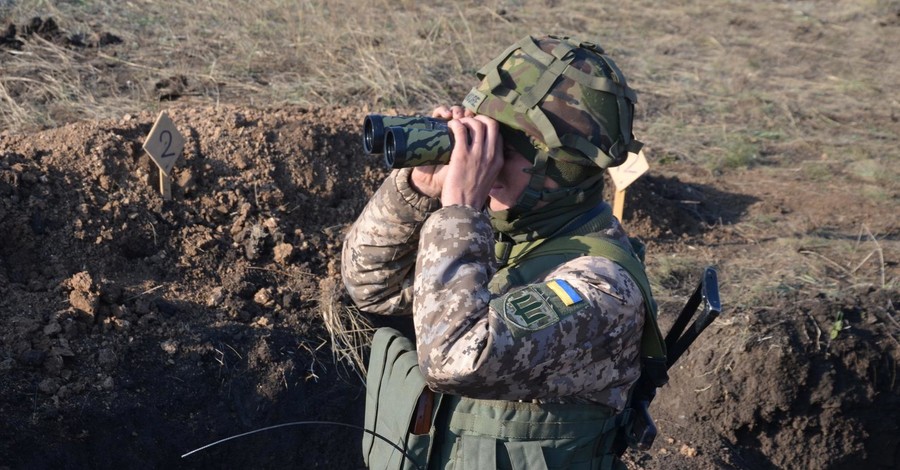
(565, 93)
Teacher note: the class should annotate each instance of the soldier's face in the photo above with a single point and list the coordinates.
(512, 181)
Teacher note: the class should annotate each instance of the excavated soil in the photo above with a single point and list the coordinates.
(138, 330)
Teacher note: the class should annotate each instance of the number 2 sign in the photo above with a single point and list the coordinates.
(164, 143)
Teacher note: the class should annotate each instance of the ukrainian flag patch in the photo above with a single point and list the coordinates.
(565, 292)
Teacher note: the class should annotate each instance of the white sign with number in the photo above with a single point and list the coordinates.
(164, 144)
(625, 174)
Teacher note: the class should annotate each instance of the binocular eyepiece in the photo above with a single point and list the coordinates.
(407, 141)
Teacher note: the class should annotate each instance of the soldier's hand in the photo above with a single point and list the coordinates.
(476, 161)
(429, 180)
(453, 112)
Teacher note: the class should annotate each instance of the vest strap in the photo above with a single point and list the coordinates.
(477, 453)
(525, 455)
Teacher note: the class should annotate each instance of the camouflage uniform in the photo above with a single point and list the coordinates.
(407, 255)
(535, 345)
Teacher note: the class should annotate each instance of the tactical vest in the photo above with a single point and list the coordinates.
(496, 434)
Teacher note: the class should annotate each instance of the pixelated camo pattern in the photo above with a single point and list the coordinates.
(380, 248)
(465, 347)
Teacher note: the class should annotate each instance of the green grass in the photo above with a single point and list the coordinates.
(739, 153)
(818, 171)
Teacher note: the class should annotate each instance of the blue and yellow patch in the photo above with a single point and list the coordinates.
(538, 306)
(565, 291)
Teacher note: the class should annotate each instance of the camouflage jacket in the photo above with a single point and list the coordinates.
(407, 255)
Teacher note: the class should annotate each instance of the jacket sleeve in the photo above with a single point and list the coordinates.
(379, 250)
(577, 338)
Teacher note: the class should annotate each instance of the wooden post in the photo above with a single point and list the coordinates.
(165, 186)
(165, 145)
(625, 174)
(619, 204)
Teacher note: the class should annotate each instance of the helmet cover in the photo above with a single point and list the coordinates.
(568, 96)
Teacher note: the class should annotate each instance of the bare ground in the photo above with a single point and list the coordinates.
(138, 330)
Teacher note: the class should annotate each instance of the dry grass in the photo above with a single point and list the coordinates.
(349, 331)
(832, 267)
(264, 52)
(724, 85)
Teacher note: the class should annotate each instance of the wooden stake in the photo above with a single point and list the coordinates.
(165, 145)
(165, 186)
(619, 204)
(625, 174)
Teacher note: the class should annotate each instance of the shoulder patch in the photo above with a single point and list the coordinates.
(565, 292)
(536, 307)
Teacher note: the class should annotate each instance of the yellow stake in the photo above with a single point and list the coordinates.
(625, 174)
(619, 204)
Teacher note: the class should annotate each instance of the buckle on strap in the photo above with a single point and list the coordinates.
(529, 198)
(502, 250)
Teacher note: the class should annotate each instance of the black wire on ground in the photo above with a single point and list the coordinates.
(298, 423)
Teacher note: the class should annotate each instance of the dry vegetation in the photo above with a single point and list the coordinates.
(777, 98)
(726, 98)
(777, 84)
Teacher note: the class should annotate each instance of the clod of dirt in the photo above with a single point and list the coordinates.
(84, 295)
(45, 28)
(82, 40)
(172, 88)
(8, 38)
(283, 253)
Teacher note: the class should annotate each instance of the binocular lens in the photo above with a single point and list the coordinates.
(407, 140)
(373, 134)
(390, 149)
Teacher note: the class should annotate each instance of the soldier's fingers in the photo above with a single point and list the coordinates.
(477, 133)
(460, 135)
(459, 112)
(493, 140)
(491, 147)
(442, 112)
(428, 180)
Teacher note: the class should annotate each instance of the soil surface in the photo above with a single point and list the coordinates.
(137, 329)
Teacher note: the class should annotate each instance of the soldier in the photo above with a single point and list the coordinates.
(527, 327)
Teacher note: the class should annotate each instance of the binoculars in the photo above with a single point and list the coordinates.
(407, 141)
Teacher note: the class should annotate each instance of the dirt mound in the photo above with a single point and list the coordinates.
(809, 373)
(177, 321)
(153, 328)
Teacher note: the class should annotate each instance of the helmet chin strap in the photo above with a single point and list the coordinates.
(534, 192)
